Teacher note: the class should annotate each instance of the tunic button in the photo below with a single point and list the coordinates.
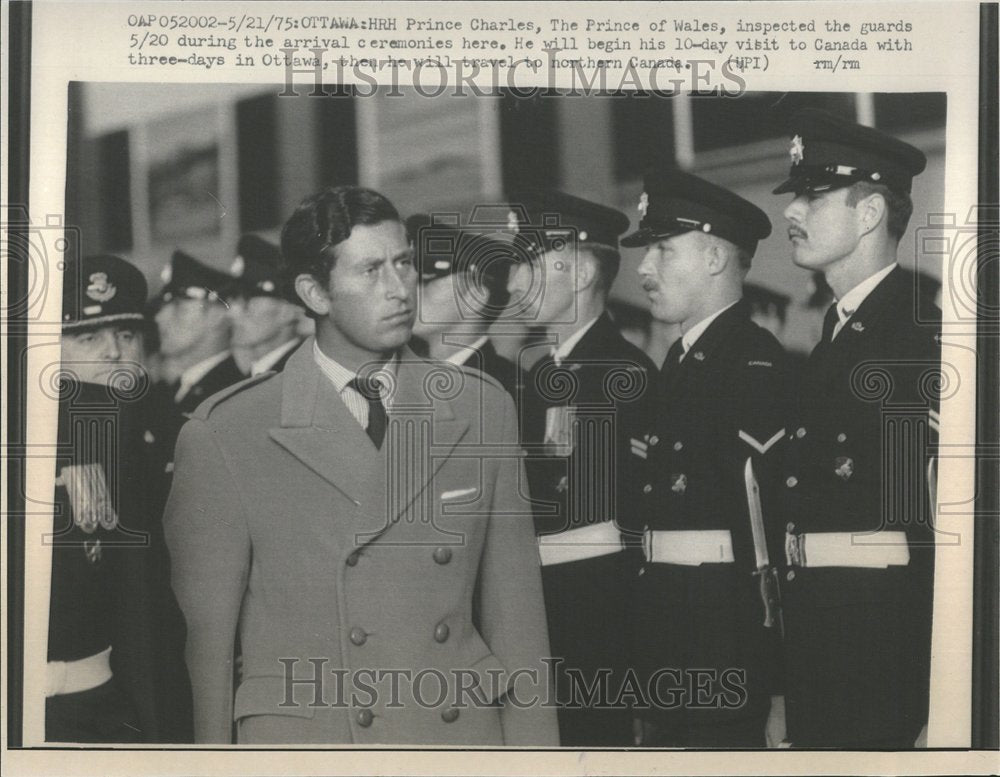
(450, 715)
(841, 437)
(791, 575)
(358, 636)
(792, 482)
(441, 632)
(654, 440)
(352, 560)
(647, 488)
(678, 445)
(365, 718)
(800, 432)
(442, 555)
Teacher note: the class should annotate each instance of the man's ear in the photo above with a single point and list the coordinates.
(586, 270)
(872, 211)
(717, 255)
(312, 293)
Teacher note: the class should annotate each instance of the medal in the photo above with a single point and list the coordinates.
(89, 497)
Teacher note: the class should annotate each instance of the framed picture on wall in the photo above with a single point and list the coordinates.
(183, 176)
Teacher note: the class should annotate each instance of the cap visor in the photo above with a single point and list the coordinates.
(646, 235)
(102, 321)
(789, 185)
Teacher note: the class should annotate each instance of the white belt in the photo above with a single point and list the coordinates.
(689, 548)
(848, 549)
(591, 541)
(74, 676)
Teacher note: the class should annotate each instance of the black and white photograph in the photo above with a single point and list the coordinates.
(408, 413)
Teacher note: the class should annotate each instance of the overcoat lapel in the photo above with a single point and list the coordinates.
(318, 429)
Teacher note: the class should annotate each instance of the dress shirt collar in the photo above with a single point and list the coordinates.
(340, 376)
(690, 337)
(196, 372)
(461, 356)
(850, 302)
(566, 346)
(268, 360)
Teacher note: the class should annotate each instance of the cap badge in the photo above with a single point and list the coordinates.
(678, 483)
(267, 286)
(238, 266)
(643, 204)
(512, 223)
(797, 150)
(99, 289)
(166, 273)
(843, 467)
(699, 355)
(857, 326)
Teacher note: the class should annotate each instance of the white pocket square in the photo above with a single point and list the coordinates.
(458, 492)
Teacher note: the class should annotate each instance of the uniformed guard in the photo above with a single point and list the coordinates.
(195, 331)
(263, 307)
(463, 289)
(859, 553)
(115, 671)
(703, 619)
(575, 408)
(194, 327)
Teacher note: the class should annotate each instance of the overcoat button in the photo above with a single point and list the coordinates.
(647, 488)
(791, 575)
(678, 445)
(841, 437)
(352, 560)
(654, 440)
(792, 482)
(358, 636)
(450, 715)
(442, 555)
(441, 632)
(800, 432)
(365, 718)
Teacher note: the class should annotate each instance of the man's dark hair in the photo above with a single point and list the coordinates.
(607, 259)
(322, 221)
(899, 206)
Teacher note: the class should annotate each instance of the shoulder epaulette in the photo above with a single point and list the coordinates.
(204, 410)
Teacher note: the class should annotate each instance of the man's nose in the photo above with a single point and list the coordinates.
(795, 210)
(110, 349)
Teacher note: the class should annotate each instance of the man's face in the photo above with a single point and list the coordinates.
(675, 275)
(184, 322)
(447, 301)
(259, 320)
(544, 289)
(823, 228)
(94, 354)
(371, 292)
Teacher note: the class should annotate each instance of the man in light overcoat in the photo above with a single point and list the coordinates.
(359, 520)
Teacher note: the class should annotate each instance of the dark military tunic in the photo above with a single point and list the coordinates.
(602, 379)
(170, 415)
(858, 638)
(702, 625)
(486, 359)
(110, 577)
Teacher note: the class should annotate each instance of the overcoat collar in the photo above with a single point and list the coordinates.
(317, 428)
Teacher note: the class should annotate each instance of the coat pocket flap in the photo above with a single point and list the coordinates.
(269, 696)
(493, 677)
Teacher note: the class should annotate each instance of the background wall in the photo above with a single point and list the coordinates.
(148, 162)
